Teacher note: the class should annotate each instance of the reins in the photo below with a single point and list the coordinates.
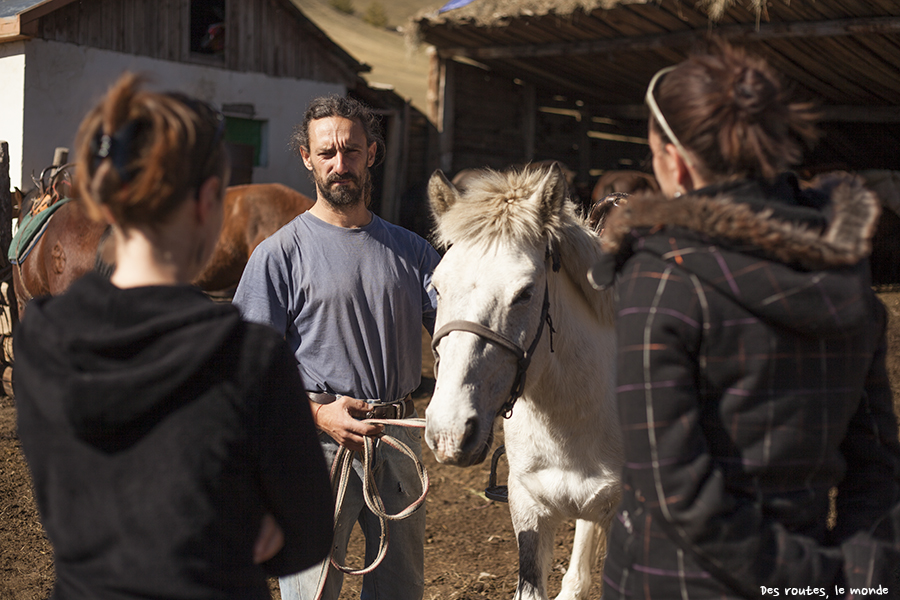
(523, 357)
(340, 477)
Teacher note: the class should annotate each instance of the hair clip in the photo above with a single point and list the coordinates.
(116, 148)
(105, 144)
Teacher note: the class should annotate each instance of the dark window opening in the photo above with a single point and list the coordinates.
(208, 27)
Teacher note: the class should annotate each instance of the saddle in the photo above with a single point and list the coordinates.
(55, 194)
(32, 226)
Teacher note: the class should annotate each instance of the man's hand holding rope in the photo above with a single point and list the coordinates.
(339, 419)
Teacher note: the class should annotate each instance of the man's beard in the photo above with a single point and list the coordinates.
(345, 195)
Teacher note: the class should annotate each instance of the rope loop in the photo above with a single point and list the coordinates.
(341, 468)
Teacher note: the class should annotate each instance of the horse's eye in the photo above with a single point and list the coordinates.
(524, 296)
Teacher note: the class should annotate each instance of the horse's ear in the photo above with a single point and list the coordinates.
(553, 192)
(441, 193)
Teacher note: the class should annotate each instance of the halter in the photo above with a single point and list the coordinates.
(523, 356)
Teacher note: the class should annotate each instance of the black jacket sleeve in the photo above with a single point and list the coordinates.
(292, 468)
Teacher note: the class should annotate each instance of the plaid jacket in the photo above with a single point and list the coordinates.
(751, 381)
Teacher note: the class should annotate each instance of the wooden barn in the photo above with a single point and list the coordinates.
(525, 80)
(260, 61)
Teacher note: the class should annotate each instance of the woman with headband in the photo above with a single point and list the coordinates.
(751, 366)
(170, 446)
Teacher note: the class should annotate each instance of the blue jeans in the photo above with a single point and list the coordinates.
(401, 575)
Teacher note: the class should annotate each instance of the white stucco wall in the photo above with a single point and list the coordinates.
(12, 106)
(63, 81)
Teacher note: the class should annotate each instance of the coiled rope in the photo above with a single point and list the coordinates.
(341, 468)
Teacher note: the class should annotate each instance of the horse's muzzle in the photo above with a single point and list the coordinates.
(464, 454)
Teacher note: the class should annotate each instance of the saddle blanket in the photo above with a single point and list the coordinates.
(31, 228)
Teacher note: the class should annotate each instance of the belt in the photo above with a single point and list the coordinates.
(399, 409)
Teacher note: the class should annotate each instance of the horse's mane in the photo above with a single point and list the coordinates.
(493, 210)
(579, 251)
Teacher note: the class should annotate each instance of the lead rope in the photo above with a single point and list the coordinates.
(340, 477)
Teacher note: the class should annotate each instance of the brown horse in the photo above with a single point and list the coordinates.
(66, 249)
(71, 243)
(253, 212)
(629, 182)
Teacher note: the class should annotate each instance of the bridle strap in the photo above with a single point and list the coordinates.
(479, 330)
(523, 356)
(518, 386)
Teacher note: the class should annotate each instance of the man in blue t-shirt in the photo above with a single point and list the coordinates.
(351, 292)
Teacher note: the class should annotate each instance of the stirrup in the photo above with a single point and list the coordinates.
(499, 493)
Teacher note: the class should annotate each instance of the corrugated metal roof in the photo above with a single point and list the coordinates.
(840, 52)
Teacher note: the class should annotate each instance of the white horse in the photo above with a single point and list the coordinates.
(507, 236)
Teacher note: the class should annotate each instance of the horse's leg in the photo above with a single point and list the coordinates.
(586, 549)
(535, 529)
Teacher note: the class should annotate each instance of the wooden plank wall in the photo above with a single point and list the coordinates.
(487, 133)
(498, 122)
(492, 114)
(262, 36)
(422, 159)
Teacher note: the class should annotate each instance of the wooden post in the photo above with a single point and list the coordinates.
(390, 198)
(434, 87)
(447, 114)
(403, 175)
(584, 148)
(60, 156)
(529, 120)
(5, 211)
(9, 314)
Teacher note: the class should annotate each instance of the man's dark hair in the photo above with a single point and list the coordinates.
(338, 106)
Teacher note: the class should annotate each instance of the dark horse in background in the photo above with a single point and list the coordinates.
(72, 243)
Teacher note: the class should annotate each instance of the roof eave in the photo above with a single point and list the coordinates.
(486, 15)
(10, 30)
(23, 26)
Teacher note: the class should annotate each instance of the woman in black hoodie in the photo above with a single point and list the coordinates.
(170, 444)
(751, 366)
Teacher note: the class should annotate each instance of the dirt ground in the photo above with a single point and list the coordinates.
(470, 550)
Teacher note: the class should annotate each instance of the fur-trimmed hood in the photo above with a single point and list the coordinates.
(794, 258)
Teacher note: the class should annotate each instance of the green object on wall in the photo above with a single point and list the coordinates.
(248, 131)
